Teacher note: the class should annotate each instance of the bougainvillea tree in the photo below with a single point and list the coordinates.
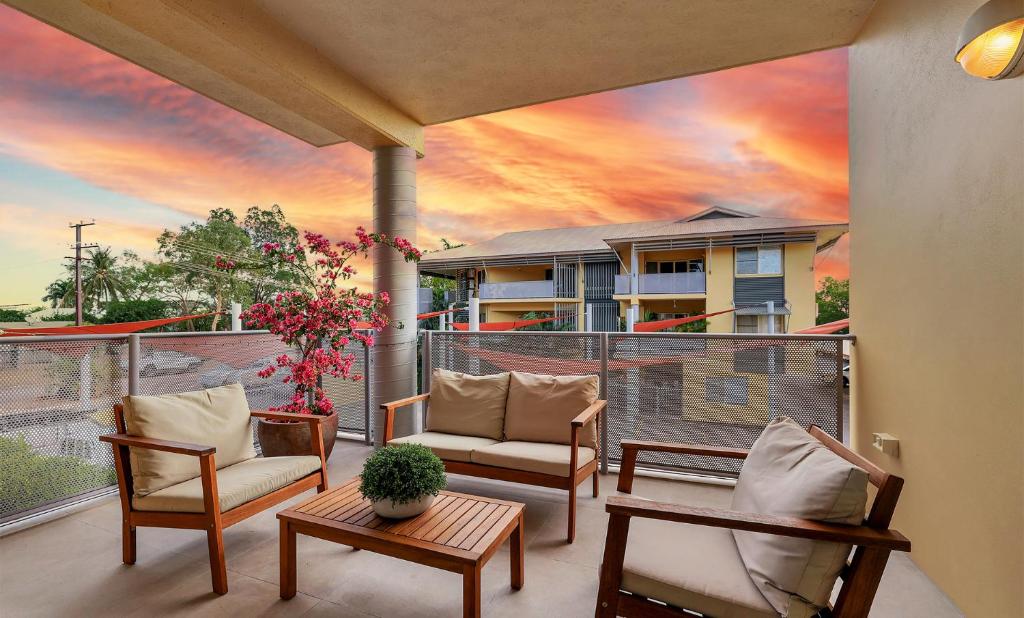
(321, 317)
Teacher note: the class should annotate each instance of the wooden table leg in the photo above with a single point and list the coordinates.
(288, 570)
(471, 591)
(517, 553)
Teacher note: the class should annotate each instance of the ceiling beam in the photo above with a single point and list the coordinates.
(232, 52)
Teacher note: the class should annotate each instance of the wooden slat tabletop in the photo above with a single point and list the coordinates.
(454, 522)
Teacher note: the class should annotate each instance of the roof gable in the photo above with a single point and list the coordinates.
(716, 212)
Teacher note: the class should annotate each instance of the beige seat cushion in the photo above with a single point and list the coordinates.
(217, 417)
(467, 405)
(236, 484)
(691, 567)
(540, 407)
(790, 473)
(447, 446)
(539, 457)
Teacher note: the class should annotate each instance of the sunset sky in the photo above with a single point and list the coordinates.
(84, 134)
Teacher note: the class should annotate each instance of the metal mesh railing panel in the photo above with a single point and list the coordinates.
(349, 396)
(719, 391)
(56, 398)
(189, 362)
(486, 353)
(701, 389)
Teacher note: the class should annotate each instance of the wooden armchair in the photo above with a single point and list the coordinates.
(211, 516)
(873, 540)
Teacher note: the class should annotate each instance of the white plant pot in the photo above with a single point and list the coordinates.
(385, 508)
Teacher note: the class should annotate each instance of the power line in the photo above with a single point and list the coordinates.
(78, 246)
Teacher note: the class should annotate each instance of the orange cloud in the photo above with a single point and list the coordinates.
(770, 138)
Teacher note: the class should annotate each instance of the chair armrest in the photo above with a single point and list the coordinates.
(685, 449)
(287, 416)
(169, 446)
(752, 522)
(631, 448)
(389, 413)
(588, 415)
(401, 403)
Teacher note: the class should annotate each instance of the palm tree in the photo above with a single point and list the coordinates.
(101, 281)
(60, 293)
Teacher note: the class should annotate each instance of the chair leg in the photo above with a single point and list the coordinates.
(572, 513)
(611, 567)
(128, 542)
(597, 485)
(218, 568)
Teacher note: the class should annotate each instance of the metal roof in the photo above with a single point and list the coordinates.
(600, 238)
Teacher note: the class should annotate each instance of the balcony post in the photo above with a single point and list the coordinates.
(634, 274)
(394, 214)
(474, 313)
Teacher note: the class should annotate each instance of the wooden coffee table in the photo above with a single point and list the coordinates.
(458, 533)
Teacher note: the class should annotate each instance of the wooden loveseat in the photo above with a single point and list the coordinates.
(519, 427)
(188, 461)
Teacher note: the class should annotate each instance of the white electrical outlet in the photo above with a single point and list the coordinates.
(888, 444)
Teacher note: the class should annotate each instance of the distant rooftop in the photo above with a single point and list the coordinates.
(713, 222)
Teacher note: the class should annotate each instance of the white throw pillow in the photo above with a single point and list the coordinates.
(790, 473)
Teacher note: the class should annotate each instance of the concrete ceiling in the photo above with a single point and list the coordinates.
(374, 73)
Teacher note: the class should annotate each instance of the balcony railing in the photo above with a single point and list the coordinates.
(57, 396)
(517, 289)
(667, 283)
(671, 387)
(57, 393)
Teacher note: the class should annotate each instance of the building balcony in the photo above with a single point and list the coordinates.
(663, 387)
(667, 284)
(520, 290)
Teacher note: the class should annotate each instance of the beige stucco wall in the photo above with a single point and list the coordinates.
(937, 194)
(798, 266)
(719, 288)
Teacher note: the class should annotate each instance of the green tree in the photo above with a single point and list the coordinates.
(60, 293)
(269, 225)
(193, 251)
(134, 311)
(102, 280)
(833, 298)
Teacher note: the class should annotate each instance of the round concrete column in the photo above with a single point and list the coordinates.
(394, 355)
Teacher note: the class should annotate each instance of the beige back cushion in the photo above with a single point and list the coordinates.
(791, 473)
(467, 405)
(540, 408)
(217, 417)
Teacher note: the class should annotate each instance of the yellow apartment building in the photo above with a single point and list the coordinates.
(715, 260)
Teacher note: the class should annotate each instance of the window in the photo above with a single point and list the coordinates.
(549, 274)
(759, 323)
(746, 324)
(759, 260)
(681, 266)
(728, 390)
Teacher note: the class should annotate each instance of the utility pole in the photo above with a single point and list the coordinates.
(78, 246)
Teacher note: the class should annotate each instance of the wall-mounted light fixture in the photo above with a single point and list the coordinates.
(991, 43)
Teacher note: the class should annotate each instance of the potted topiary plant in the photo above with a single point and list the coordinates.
(402, 480)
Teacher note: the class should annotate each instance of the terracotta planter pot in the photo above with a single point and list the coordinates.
(278, 439)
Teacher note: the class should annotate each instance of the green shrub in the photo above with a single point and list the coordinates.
(133, 311)
(30, 479)
(402, 474)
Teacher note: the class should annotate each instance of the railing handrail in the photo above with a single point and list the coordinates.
(622, 335)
